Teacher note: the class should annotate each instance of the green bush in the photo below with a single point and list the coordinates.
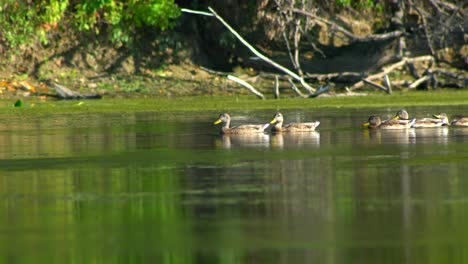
(25, 23)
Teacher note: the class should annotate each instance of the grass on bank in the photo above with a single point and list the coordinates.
(34, 106)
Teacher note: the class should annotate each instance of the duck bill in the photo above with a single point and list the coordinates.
(217, 121)
(437, 116)
(273, 121)
(395, 118)
(366, 124)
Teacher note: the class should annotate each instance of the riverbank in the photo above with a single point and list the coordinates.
(36, 106)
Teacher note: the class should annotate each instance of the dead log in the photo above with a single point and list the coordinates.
(65, 93)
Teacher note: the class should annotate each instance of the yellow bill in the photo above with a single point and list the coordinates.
(217, 121)
(366, 124)
(273, 121)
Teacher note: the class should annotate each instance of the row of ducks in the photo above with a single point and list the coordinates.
(400, 121)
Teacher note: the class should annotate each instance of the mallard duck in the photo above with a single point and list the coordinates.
(375, 122)
(462, 121)
(434, 121)
(402, 114)
(242, 129)
(292, 127)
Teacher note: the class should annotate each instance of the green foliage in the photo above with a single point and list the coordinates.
(359, 4)
(25, 23)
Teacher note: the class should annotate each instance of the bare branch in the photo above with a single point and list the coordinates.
(387, 70)
(190, 11)
(419, 81)
(276, 91)
(246, 85)
(260, 55)
(383, 88)
(373, 37)
(294, 87)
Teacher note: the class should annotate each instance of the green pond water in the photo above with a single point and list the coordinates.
(167, 188)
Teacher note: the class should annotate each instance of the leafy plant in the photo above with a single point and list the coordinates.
(25, 23)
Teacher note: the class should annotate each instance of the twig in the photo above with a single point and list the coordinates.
(246, 85)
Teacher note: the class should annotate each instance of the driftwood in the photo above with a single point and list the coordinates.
(246, 85)
(390, 68)
(65, 93)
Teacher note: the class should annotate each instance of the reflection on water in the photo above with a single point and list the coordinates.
(158, 188)
(295, 140)
(254, 140)
(390, 136)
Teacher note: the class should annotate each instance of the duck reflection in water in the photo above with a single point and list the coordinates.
(295, 140)
(438, 135)
(390, 136)
(256, 140)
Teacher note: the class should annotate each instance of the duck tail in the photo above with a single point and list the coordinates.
(317, 123)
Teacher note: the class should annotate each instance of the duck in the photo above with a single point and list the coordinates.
(225, 118)
(401, 114)
(437, 120)
(375, 122)
(434, 121)
(462, 121)
(292, 127)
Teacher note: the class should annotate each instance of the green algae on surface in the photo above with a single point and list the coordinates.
(174, 104)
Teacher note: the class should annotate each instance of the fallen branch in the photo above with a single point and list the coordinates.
(390, 68)
(246, 85)
(383, 88)
(294, 88)
(337, 76)
(322, 89)
(419, 81)
(65, 93)
(251, 48)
